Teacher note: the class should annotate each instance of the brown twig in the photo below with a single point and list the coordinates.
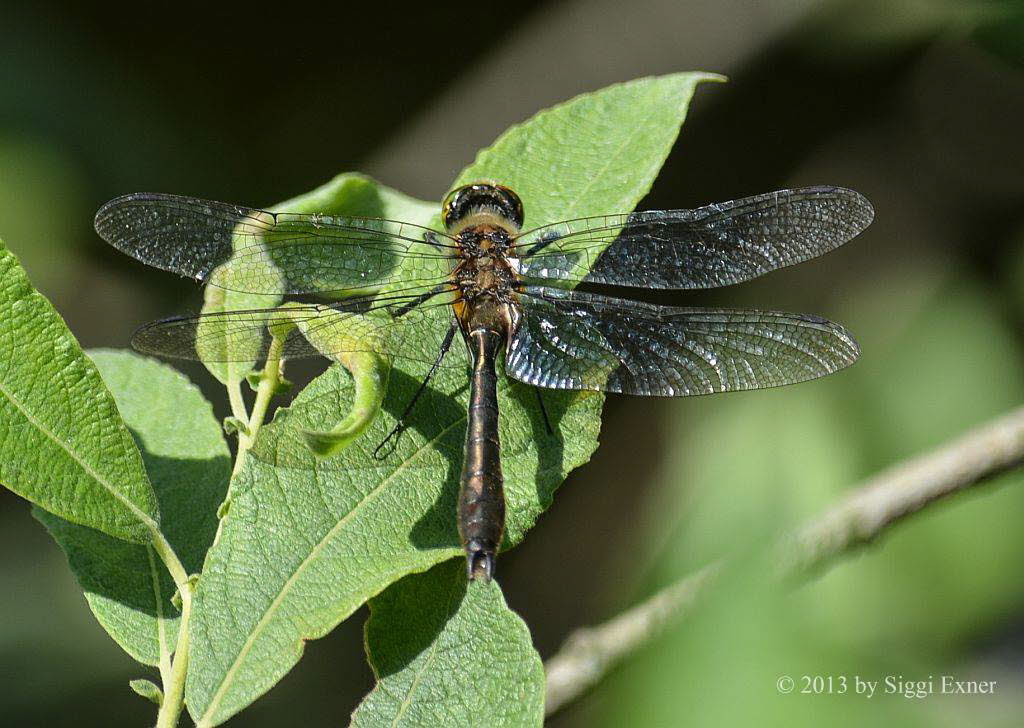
(858, 519)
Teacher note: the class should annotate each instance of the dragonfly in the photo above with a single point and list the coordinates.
(538, 298)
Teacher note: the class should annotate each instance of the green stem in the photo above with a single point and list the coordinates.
(165, 651)
(174, 683)
(174, 689)
(268, 385)
(252, 422)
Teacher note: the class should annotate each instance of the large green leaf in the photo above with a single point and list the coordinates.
(63, 444)
(306, 542)
(450, 653)
(127, 587)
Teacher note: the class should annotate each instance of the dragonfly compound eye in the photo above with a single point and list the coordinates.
(482, 197)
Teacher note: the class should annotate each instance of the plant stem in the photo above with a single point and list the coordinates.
(174, 689)
(174, 683)
(268, 385)
(264, 392)
(174, 680)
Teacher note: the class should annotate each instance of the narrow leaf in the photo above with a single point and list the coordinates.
(450, 653)
(369, 372)
(63, 444)
(126, 585)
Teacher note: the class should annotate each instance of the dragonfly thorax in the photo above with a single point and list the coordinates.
(484, 240)
(485, 280)
(484, 275)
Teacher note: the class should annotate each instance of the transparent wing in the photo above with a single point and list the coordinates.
(310, 330)
(316, 254)
(575, 340)
(715, 245)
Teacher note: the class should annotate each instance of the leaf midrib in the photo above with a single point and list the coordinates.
(143, 517)
(165, 651)
(423, 670)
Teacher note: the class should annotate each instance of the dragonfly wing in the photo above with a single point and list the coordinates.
(304, 331)
(315, 254)
(575, 340)
(711, 246)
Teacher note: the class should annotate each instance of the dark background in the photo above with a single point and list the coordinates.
(919, 104)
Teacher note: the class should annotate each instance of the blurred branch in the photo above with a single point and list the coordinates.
(905, 489)
(590, 652)
(858, 519)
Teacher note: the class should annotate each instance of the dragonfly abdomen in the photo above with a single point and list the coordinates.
(482, 497)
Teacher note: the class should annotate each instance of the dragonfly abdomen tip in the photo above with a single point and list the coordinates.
(480, 558)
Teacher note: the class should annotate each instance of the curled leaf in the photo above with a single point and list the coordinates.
(354, 342)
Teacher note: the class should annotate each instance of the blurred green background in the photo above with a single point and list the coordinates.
(919, 104)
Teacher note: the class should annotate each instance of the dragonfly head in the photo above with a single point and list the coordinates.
(479, 202)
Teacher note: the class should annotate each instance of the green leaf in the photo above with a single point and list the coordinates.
(305, 541)
(148, 690)
(126, 585)
(596, 154)
(352, 193)
(63, 444)
(450, 653)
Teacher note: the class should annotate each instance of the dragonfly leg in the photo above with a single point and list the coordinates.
(422, 298)
(399, 427)
(543, 411)
(545, 240)
(431, 239)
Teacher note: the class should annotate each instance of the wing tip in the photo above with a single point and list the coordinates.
(862, 205)
(851, 348)
(142, 339)
(108, 210)
(856, 202)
